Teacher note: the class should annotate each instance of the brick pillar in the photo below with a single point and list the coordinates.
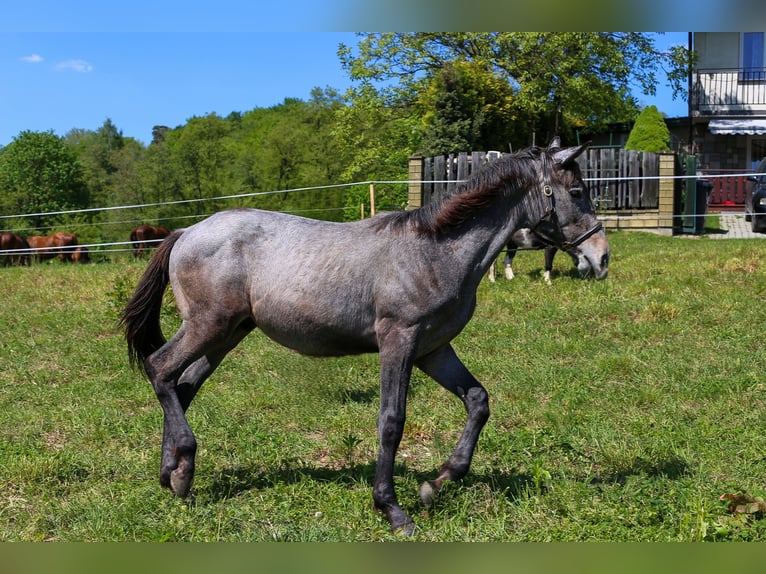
(665, 197)
(415, 187)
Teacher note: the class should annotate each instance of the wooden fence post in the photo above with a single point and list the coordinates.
(665, 194)
(415, 187)
(372, 200)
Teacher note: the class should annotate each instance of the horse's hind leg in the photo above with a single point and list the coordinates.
(177, 371)
(446, 369)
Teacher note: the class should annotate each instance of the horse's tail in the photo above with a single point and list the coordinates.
(141, 317)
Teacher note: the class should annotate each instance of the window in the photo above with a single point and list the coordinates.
(752, 57)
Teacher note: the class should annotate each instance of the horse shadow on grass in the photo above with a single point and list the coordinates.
(671, 467)
(536, 274)
(231, 482)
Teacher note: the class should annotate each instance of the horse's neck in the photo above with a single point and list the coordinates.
(482, 240)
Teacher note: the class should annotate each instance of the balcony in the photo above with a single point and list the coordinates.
(728, 91)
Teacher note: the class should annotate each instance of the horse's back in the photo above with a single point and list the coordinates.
(267, 235)
(297, 278)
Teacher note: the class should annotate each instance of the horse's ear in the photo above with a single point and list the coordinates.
(555, 143)
(569, 154)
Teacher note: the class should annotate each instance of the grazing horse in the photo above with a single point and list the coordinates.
(12, 242)
(59, 244)
(81, 254)
(146, 236)
(306, 284)
(525, 239)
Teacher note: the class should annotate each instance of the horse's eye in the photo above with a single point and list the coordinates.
(576, 191)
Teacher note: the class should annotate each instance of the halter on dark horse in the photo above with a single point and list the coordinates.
(538, 238)
(306, 284)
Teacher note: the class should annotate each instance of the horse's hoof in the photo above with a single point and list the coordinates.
(428, 493)
(180, 484)
(407, 529)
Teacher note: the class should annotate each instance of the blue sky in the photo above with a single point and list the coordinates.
(53, 80)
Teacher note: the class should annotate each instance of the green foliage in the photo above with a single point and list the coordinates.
(560, 81)
(39, 173)
(650, 133)
(175, 178)
(377, 140)
(466, 107)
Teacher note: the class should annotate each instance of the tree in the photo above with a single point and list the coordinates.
(466, 107)
(96, 152)
(560, 81)
(202, 155)
(39, 173)
(649, 133)
(376, 141)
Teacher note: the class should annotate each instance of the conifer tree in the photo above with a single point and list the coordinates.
(649, 133)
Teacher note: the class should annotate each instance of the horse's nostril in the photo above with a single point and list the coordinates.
(605, 259)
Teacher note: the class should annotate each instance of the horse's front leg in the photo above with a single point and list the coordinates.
(508, 263)
(446, 369)
(550, 253)
(491, 273)
(397, 349)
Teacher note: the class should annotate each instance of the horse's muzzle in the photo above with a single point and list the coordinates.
(593, 257)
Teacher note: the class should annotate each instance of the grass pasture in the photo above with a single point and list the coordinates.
(621, 411)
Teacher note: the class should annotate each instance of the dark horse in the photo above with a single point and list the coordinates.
(306, 284)
(146, 236)
(526, 239)
(9, 243)
(61, 245)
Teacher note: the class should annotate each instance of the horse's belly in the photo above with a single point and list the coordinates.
(313, 339)
(310, 329)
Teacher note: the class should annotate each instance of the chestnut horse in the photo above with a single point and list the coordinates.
(81, 255)
(12, 242)
(61, 245)
(147, 236)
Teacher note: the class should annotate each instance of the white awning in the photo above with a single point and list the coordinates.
(741, 126)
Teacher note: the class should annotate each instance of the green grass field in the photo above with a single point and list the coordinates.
(622, 410)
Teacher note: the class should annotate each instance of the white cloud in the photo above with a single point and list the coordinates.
(75, 65)
(33, 59)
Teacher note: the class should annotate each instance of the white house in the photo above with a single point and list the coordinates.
(727, 107)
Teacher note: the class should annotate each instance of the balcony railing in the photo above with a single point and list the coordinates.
(733, 90)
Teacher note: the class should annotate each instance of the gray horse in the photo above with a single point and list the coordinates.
(307, 285)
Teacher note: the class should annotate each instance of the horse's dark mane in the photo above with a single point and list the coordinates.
(510, 173)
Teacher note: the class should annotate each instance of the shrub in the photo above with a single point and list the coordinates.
(649, 132)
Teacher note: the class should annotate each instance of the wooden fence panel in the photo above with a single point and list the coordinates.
(440, 174)
(462, 166)
(428, 177)
(634, 185)
(623, 182)
(650, 188)
(615, 176)
(608, 169)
